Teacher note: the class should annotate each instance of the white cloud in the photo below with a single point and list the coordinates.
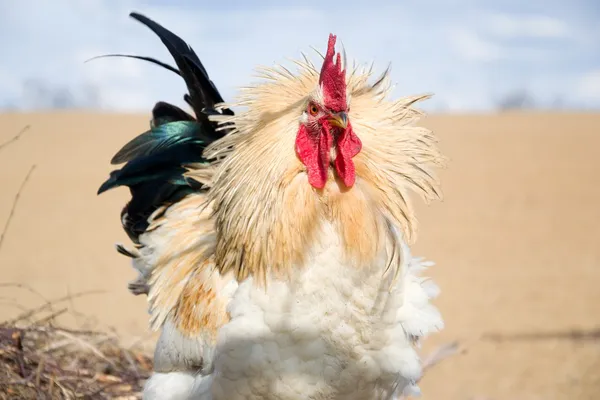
(535, 26)
(473, 47)
(588, 87)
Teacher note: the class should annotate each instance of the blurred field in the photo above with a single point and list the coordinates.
(516, 241)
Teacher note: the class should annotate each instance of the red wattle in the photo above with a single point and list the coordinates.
(348, 146)
(313, 151)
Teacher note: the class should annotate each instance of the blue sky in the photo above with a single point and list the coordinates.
(470, 54)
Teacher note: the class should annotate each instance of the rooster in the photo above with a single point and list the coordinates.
(273, 242)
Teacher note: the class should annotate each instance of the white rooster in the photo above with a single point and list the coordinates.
(273, 243)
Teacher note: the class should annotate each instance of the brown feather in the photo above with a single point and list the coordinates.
(184, 279)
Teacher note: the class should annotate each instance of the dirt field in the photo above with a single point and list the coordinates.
(516, 241)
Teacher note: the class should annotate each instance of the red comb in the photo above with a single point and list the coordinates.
(333, 79)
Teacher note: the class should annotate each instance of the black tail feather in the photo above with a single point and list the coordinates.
(156, 160)
(128, 253)
(203, 93)
(149, 59)
(165, 112)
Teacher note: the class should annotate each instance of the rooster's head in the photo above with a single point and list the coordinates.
(325, 135)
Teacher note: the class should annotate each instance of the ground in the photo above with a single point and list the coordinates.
(515, 241)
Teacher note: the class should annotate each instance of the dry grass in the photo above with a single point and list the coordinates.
(40, 360)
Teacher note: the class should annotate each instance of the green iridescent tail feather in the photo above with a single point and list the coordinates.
(154, 161)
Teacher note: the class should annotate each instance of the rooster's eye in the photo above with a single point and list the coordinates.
(313, 109)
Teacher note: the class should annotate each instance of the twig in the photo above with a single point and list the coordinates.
(88, 345)
(15, 138)
(38, 372)
(49, 305)
(48, 319)
(14, 205)
(24, 287)
(23, 382)
(67, 393)
(12, 303)
(440, 354)
(17, 337)
(435, 357)
(81, 319)
(129, 359)
(71, 331)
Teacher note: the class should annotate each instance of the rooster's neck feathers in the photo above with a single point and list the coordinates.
(266, 214)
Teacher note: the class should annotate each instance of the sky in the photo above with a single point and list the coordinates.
(471, 55)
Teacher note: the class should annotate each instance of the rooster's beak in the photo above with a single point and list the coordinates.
(339, 119)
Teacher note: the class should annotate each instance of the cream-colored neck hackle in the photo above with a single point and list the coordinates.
(266, 214)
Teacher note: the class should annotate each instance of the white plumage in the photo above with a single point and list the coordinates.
(330, 332)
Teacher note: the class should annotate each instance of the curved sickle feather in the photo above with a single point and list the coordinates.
(149, 59)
